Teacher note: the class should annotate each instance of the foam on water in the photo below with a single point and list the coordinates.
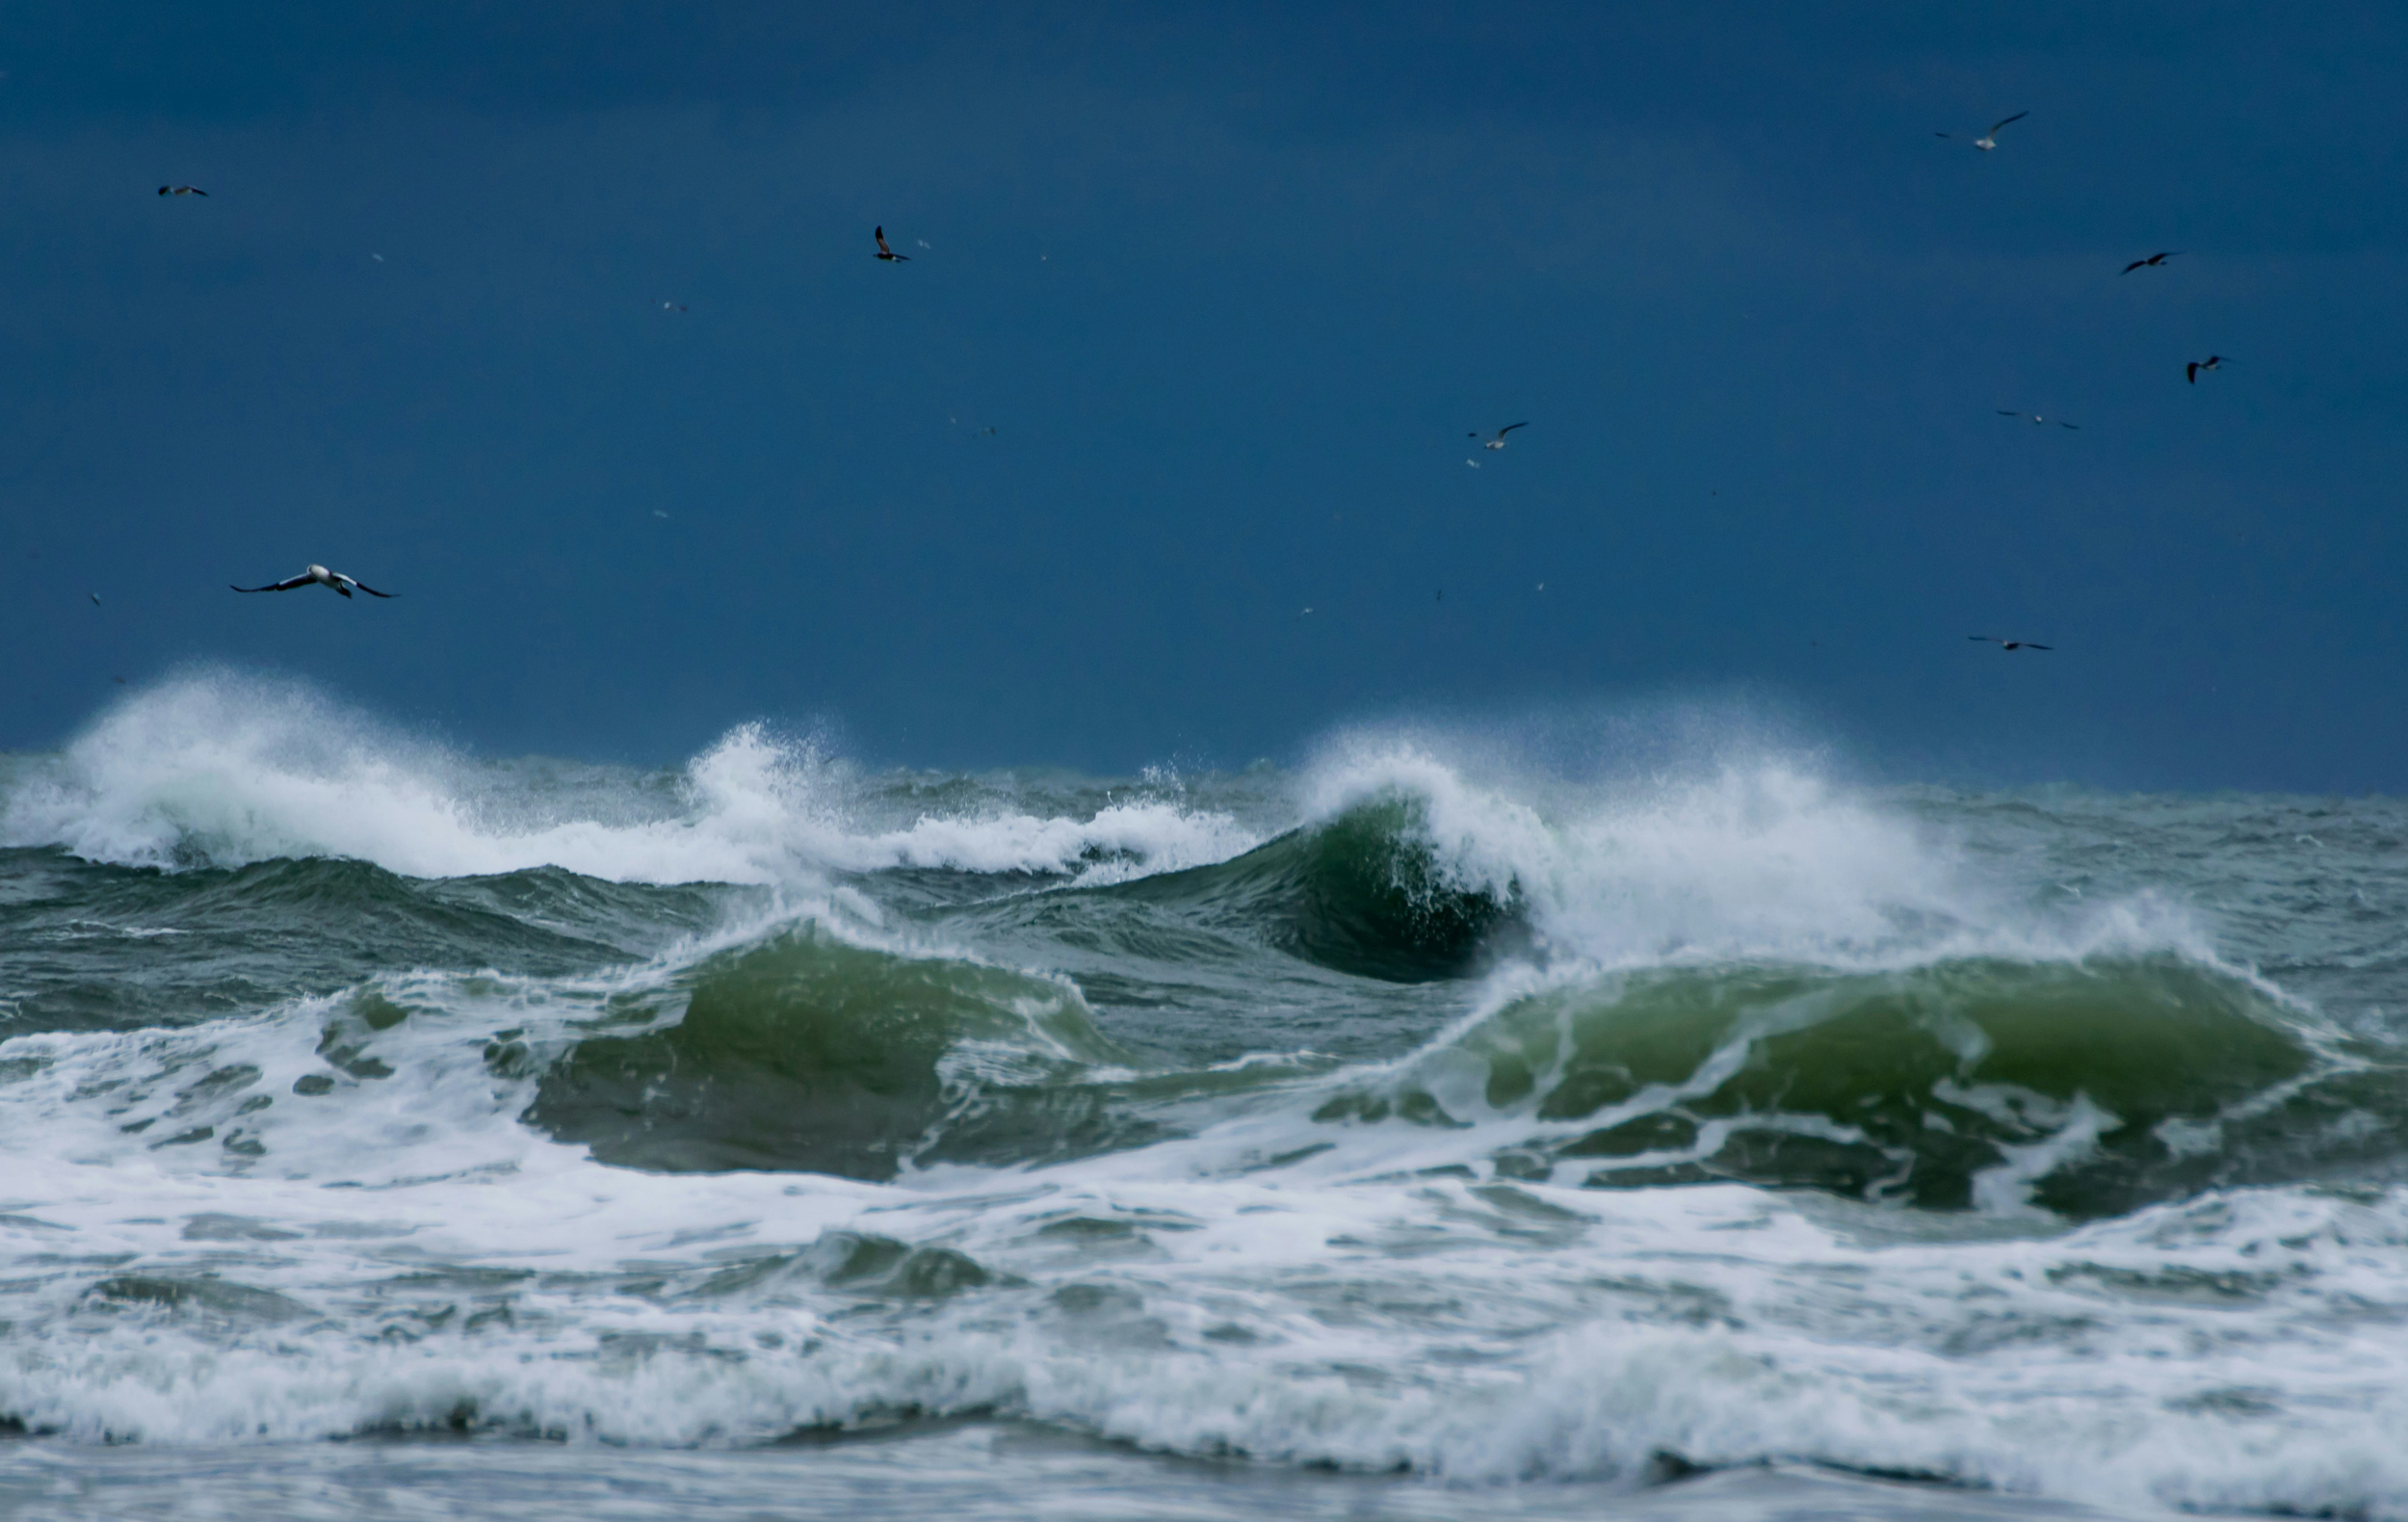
(408, 1255)
(222, 770)
(1737, 859)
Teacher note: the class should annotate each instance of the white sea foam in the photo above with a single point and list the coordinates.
(1754, 857)
(2239, 1350)
(227, 769)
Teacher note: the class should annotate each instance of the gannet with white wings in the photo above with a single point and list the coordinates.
(322, 577)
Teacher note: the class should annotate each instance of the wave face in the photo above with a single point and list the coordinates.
(1406, 1111)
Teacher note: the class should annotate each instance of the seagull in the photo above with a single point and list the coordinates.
(1473, 464)
(922, 242)
(324, 577)
(2008, 645)
(181, 190)
(1305, 612)
(380, 258)
(2152, 262)
(2212, 362)
(1990, 138)
(671, 307)
(1499, 442)
(95, 598)
(2035, 418)
(885, 253)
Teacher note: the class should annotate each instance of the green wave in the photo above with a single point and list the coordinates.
(806, 1052)
(2086, 1088)
(1364, 893)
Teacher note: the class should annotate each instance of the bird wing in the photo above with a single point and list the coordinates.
(1985, 638)
(2029, 646)
(364, 586)
(2018, 117)
(286, 585)
(2076, 426)
(2134, 265)
(2190, 372)
(1510, 428)
(196, 190)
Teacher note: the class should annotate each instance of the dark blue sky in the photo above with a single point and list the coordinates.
(1231, 289)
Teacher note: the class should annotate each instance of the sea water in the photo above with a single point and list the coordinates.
(1428, 1128)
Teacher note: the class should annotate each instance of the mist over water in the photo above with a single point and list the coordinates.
(1573, 1118)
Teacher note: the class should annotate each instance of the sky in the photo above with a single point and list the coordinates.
(1230, 285)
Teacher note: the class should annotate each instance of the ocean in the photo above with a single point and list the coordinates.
(1438, 1126)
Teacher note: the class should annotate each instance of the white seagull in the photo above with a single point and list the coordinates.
(1990, 138)
(2008, 645)
(1499, 442)
(322, 577)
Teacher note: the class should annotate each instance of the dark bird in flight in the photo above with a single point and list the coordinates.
(2035, 418)
(181, 190)
(323, 577)
(2151, 262)
(1990, 138)
(2212, 362)
(1497, 442)
(885, 253)
(2008, 645)
(95, 598)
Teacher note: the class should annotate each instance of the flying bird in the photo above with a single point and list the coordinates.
(885, 253)
(322, 577)
(2008, 645)
(181, 190)
(95, 598)
(2212, 362)
(671, 307)
(2151, 262)
(1497, 442)
(1990, 138)
(922, 242)
(2035, 418)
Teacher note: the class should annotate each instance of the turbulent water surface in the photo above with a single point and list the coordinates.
(390, 1133)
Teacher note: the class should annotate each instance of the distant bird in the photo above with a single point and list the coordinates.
(885, 253)
(1442, 595)
(322, 577)
(1497, 442)
(2035, 418)
(2212, 362)
(1473, 464)
(95, 598)
(922, 242)
(658, 513)
(380, 258)
(1305, 612)
(1990, 138)
(181, 190)
(2008, 645)
(671, 307)
(2151, 262)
